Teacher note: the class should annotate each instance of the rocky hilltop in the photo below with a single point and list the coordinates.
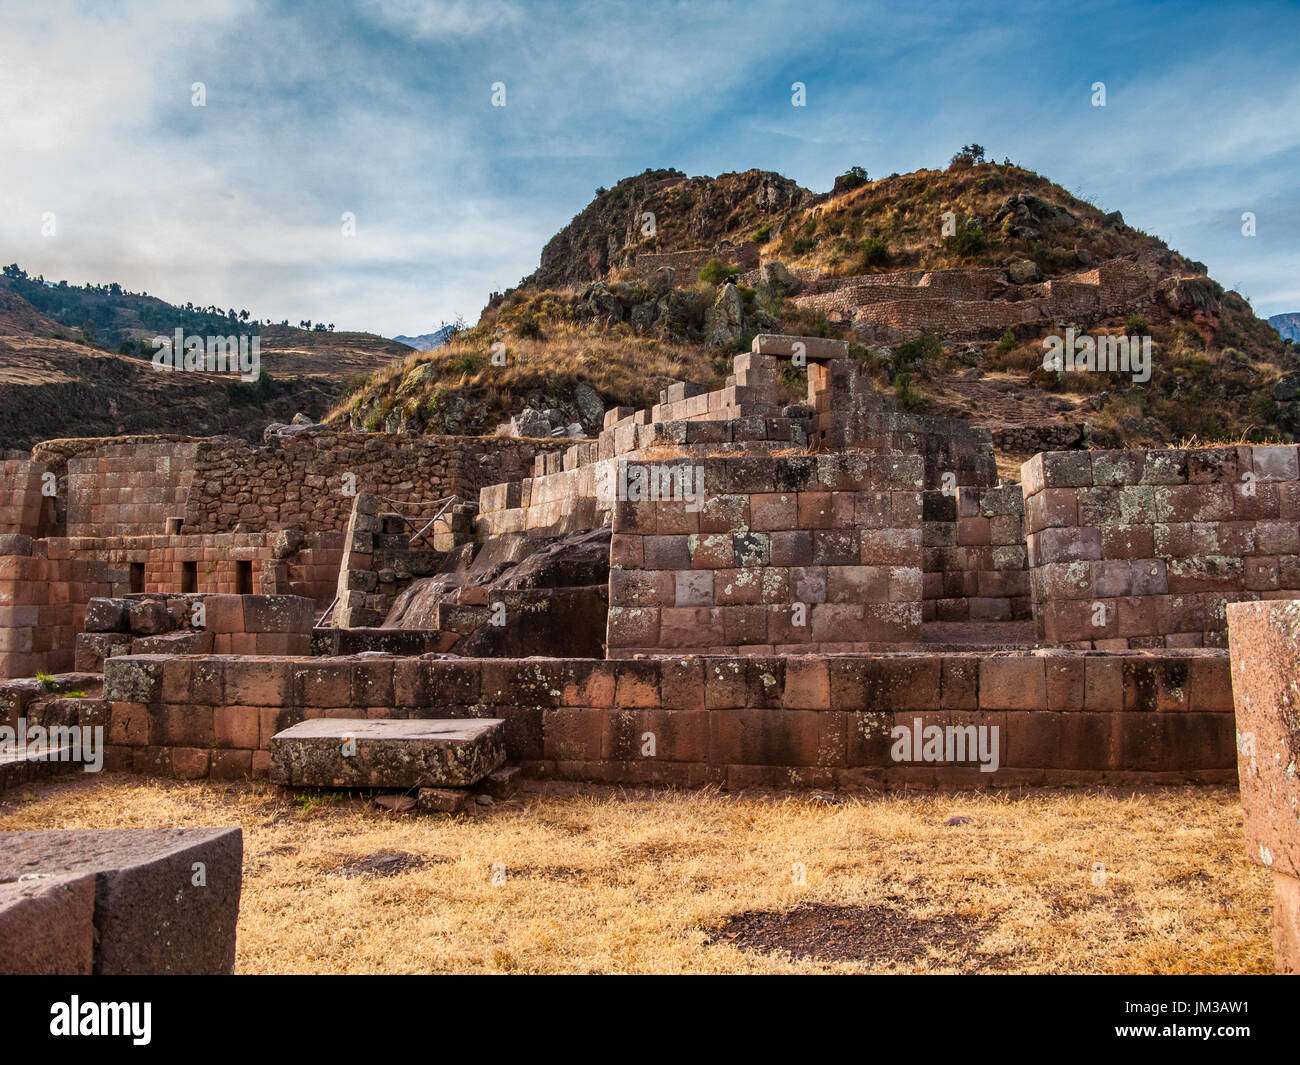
(663, 211)
(946, 282)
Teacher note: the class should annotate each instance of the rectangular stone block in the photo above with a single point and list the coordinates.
(391, 753)
(152, 915)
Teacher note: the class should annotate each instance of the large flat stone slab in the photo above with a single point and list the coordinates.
(165, 900)
(387, 753)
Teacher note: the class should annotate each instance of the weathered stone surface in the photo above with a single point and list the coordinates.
(1024, 272)
(94, 647)
(148, 617)
(502, 783)
(47, 926)
(15, 544)
(387, 753)
(107, 615)
(442, 800)
(815, 348)
(192, 642)
(166, 900)
(1264, 643)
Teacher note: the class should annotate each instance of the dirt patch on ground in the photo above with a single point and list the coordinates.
(875, 934)
(382, 863)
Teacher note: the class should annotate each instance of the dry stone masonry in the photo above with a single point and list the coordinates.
(775, 594)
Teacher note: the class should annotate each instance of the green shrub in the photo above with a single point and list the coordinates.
(1006, 341)
(1135, 323)
(243, 394)
(908, 396)
(762, 234)
(465, 363)
(716, 272)
(924, 349)
(968, 240)
(873, 252)
(853, 178)
(529, 328)
(803, 245)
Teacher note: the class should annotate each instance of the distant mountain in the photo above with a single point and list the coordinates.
(428, 341)
(1288, 325)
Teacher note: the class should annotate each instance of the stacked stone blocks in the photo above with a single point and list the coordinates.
(740, 721)
(1146, 548)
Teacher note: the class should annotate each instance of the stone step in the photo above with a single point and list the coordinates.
(387, 753)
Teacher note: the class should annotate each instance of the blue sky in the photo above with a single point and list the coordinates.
(383, 108)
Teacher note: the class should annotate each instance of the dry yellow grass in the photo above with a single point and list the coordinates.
(634, 882)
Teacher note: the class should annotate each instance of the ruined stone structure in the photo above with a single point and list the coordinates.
(743, 255)
(771, 592)
(972, 302)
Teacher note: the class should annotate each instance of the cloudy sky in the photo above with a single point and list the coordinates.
(383, 108)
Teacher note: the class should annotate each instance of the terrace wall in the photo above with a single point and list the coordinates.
(1062, 718)
(43, 597)
(297, 480)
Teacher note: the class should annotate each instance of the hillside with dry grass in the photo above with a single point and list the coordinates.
(59, 381)
(591, 318)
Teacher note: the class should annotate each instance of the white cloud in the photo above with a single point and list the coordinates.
(438, 19)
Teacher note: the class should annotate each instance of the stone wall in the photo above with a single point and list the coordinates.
(43, 597)
(1031, 439)
(46, 584)
(379, 562)
(780, 555)
(975, 563)
(962, 303)
(129, 488)
(1146, 548)
(1061, 718)
(744, 255)
(187, 623)
(132, 486)
(23, 509)
(299, 480)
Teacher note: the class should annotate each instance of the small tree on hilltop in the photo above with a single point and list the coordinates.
(853, 178)
(970, 155)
